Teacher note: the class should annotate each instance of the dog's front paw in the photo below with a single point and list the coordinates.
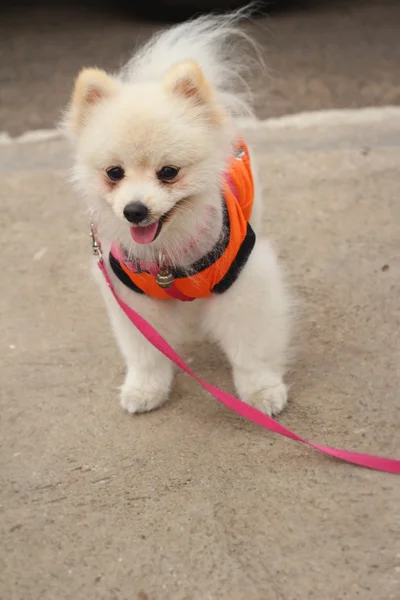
(136, 398)
(270, 400)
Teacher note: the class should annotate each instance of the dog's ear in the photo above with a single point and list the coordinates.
(92, 86)
(187, 80)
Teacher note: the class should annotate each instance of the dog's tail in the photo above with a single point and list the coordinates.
(225, 53)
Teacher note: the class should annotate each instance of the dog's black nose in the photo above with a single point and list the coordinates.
(136, 212)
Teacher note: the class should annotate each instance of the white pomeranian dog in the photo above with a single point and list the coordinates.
(167, 175)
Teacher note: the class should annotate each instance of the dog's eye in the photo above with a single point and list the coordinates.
(167, 173)
(115, 173)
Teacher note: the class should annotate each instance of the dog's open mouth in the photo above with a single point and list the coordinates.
(146, 234)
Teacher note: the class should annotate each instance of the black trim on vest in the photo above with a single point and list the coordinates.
(238, 264)
(122, 276)
(214, 254)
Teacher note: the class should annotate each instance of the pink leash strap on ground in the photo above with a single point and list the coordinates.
(378, 463)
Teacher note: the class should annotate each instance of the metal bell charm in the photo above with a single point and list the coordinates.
(164, 278)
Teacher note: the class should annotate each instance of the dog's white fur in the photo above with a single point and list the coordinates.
(177, 103)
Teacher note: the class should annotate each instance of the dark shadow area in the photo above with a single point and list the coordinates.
(169, 11)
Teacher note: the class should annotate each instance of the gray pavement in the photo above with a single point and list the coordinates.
(191, 502)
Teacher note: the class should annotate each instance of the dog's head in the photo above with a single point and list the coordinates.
(146, 152)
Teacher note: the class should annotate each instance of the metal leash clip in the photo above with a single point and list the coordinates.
(96, 247)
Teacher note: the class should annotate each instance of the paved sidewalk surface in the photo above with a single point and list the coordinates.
(191, 502)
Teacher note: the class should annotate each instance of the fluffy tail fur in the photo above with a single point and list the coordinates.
(224, 52)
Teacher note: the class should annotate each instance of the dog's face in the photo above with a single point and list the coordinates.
(146, 151)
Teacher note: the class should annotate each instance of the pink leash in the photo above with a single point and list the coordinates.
(378, 463)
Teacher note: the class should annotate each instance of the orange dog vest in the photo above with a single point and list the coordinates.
(217, 271)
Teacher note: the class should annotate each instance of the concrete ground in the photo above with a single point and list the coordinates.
(191, 502)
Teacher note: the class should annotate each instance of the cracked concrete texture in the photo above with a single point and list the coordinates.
(192, 502)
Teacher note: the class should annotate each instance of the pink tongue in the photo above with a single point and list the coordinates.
(144, 235)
